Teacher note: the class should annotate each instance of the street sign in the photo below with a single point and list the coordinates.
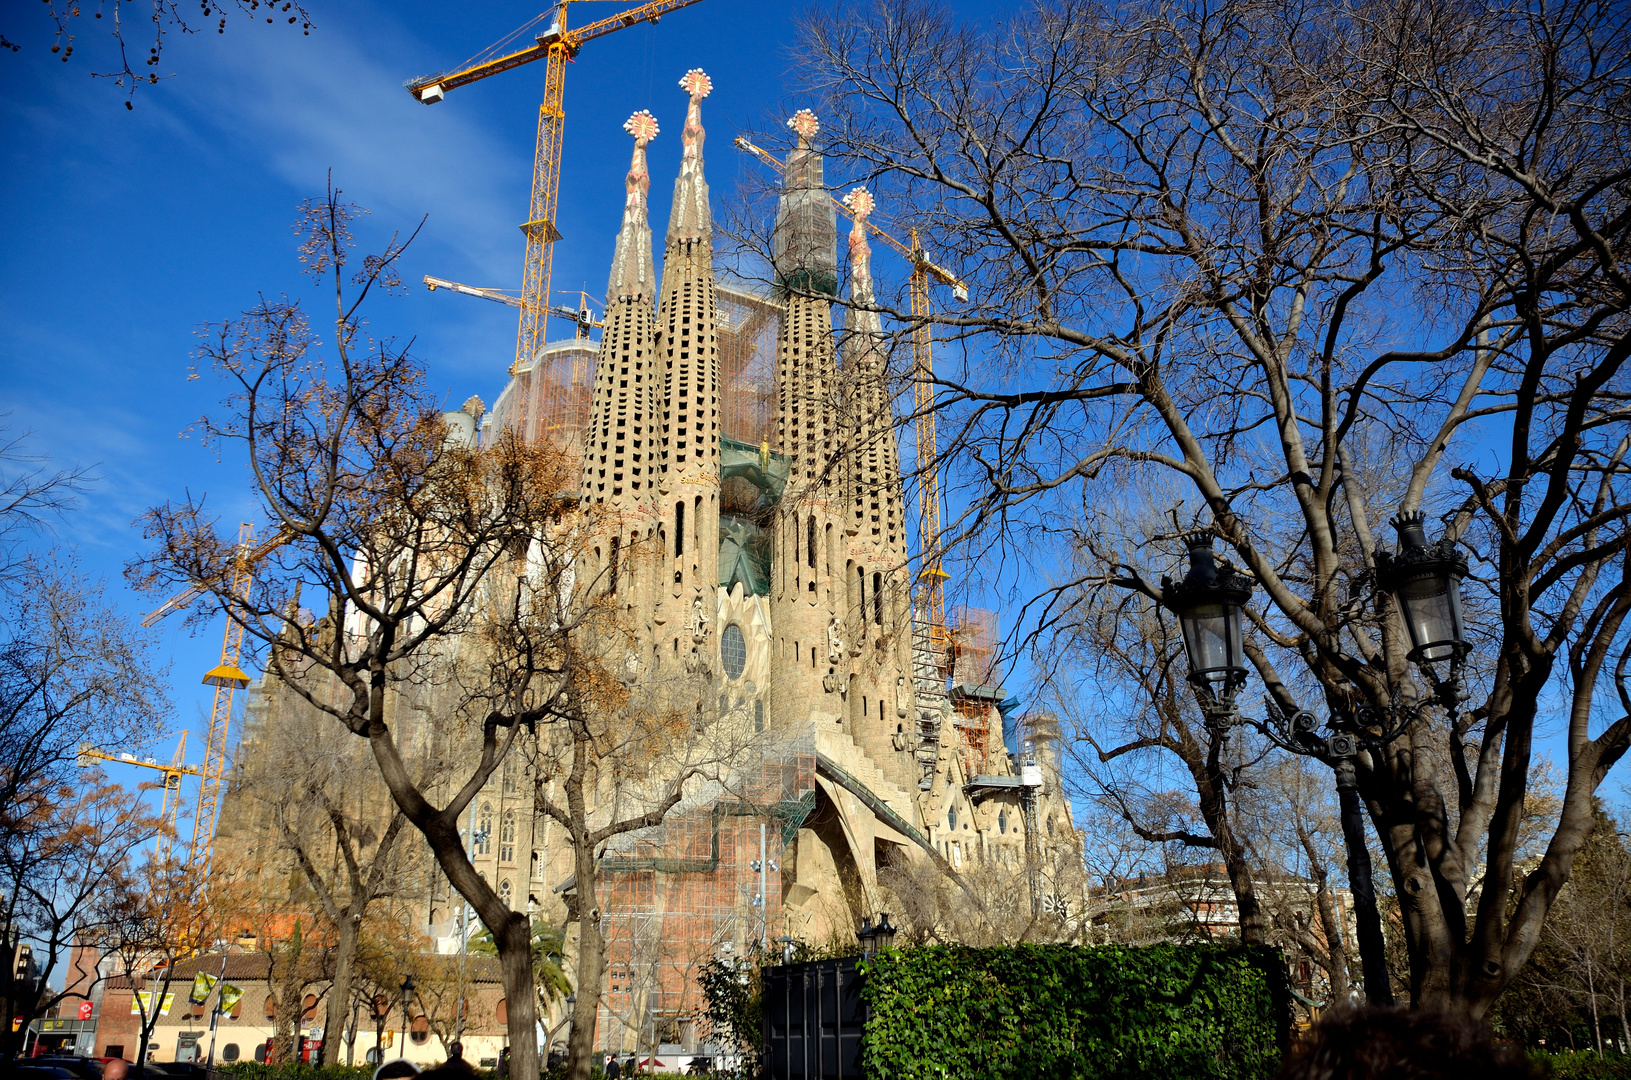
(85, 1009)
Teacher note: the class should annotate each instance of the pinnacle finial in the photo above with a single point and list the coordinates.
(860, 202)
(696, 83)
(642, 125)
(804, 125)
(688, 219)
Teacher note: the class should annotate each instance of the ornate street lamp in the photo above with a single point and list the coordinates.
(1208, 602)
(1426, 581)
(884, 932)
(867, 935)
(875, 939)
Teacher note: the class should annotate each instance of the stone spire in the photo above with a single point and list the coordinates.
(805, 260)
(804, 250)
(812, 575)
(632, 273)
(688, 350)
(874, 457)
(881, 675)
(620, 458)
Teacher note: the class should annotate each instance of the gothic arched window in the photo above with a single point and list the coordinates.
(506, 838)
(484, 830)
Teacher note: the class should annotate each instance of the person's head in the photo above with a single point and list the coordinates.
(396, 1069)
(1374, 1043)
(455, 1050)
(117, 1069)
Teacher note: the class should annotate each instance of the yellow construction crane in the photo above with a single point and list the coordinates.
(931, 578)
(558, 45)
(227, 678)
(170, 793)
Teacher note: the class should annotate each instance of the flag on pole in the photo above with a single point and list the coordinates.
(202, 985)
(230, 996)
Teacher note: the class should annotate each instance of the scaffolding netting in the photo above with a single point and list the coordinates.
(804, 245)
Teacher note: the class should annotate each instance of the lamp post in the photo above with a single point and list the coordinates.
(407, 995)
(1426, 581)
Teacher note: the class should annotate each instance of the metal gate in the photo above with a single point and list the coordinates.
(813, 1018)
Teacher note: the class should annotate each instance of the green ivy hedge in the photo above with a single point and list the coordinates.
(251, 1070)
(1583, 1065)
(1148, 1013)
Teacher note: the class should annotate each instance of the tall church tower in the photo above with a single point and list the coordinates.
(620, 450)
(809, 589)
(876, 521)
(688, 352)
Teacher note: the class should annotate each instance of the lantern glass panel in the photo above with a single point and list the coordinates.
(1212, 640)
(1432, 614)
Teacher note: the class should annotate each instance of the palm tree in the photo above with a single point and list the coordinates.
(548, 959)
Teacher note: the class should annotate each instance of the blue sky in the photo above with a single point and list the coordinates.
(125, 230)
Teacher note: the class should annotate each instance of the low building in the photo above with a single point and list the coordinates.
(245, 1032)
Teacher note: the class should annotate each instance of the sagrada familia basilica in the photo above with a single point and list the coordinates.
(751, 445)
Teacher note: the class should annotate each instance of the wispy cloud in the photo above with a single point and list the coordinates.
(333, 103)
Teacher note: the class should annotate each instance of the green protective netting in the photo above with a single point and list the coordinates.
(757, 465)
(744, 555)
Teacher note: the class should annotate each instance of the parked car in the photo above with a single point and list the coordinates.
(182, 1070)
(83, 1068)
(32, 1071)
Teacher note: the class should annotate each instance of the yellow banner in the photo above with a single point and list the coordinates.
(230, 996)
(202, 985)
(142, 1004)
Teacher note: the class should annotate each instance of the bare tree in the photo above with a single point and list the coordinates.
(68, 871)
(469, 620)
(31, 495)
(164, 917)
(153, 21)
(1138, 724)
(1296, 841)
(72, 670)
(621, 758)
(416, 540)
(344, 832)
(1296, 262)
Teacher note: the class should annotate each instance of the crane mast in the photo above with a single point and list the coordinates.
(227, 678)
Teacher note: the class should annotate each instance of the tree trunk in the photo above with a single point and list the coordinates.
(580, 1046)
(286, 1036)
(1215, 812)
(339, 994)
(514, 941)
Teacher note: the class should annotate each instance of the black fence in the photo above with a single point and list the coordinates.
(813, 1018)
